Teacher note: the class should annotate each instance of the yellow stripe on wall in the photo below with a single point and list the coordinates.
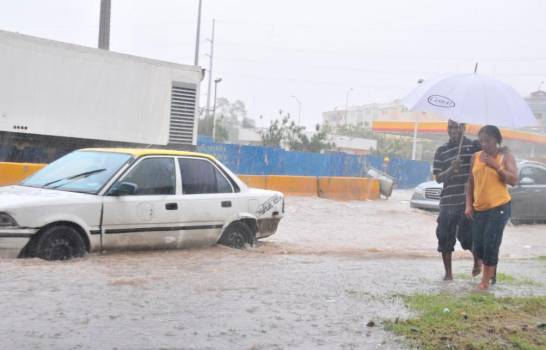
(12, 173)
(336, 188)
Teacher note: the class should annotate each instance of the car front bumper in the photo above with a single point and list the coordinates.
(267, 227)
(13, 240)
(425, 204)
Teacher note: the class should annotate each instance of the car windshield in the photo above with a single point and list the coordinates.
(80, 171)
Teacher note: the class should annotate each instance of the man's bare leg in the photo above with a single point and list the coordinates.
(446, 257)
(477, 269)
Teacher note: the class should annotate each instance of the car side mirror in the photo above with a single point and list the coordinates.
(122, 189)
(526, 181)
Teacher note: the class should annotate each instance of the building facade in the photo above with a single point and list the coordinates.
(366, 114)
(537, 102)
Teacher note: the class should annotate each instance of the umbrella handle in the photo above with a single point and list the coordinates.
(460, 144)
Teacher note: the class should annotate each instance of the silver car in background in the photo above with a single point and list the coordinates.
(528, 197)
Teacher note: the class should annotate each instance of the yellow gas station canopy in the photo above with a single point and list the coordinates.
(431, 128)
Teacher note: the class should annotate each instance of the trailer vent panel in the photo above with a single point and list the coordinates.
(183, 102)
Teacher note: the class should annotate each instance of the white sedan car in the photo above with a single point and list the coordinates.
(107, 199)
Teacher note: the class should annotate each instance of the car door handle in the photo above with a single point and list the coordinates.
(171, 206)
(226, 204)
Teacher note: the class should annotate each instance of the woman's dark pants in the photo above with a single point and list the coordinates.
(487, 229)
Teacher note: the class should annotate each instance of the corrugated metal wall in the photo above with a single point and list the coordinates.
(257, 160)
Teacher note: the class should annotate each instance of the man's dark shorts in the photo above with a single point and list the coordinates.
(453, 225)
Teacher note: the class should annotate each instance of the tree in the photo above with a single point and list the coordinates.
(249, 123)
(284, 131)
(274, 135)
(359, 130)
(234, 113)
(205, 128)
(393, 146)
(228, 115)
(319, 140)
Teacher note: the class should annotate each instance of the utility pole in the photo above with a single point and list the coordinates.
(104, 24)
(198, 35)
(216, 81)
(211, 57)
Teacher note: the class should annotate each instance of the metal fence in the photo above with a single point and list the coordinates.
(257, 160)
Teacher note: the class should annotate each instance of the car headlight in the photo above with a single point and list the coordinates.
(419, 193)
(420, 190)
(6, 220)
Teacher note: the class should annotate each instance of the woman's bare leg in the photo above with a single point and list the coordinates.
(488, 272)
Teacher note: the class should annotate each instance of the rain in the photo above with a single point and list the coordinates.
(203, 174)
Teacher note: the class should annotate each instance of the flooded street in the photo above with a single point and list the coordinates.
(385, 227)
(331, 269)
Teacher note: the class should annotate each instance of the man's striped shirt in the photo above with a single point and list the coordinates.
(453, 192)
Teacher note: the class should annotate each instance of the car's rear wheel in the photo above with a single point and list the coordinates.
(237, 235)
(60, 242)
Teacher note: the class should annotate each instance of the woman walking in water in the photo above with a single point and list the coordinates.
(487, 198)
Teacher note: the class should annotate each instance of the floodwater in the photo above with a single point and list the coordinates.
(332, 268)
(385, 227)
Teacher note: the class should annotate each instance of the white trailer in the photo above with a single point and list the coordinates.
(54, 89)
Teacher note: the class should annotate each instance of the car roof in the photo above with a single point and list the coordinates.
(141, 152)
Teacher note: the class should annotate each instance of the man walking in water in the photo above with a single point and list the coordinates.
(452, 169)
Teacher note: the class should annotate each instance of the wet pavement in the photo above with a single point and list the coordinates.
(332, 268)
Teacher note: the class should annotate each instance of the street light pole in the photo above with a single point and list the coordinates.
(198, 35)
(299, 109)
(347, 104)
(216, 81)
(415, 127)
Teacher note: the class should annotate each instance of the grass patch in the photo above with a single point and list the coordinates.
(506, 278)
(542, 257)
(475, 321)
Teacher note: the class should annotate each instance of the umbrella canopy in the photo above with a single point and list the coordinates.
(472, 98)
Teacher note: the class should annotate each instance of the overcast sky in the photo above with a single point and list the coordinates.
(317, 50)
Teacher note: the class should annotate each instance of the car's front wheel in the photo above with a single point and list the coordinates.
(237, 235)
(60, 242)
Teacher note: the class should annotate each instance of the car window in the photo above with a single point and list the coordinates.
(153, 176)
(200, 176)
(537, 174)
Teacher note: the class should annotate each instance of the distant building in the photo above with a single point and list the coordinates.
(537, 102)
(249, 137)
(367, 114)
(239, 134)
(353, 145)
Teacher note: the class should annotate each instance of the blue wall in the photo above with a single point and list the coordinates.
(257, 160)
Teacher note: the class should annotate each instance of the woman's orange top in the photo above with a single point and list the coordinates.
(489, 189)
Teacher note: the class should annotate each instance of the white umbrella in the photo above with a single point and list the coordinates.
(472, 98)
